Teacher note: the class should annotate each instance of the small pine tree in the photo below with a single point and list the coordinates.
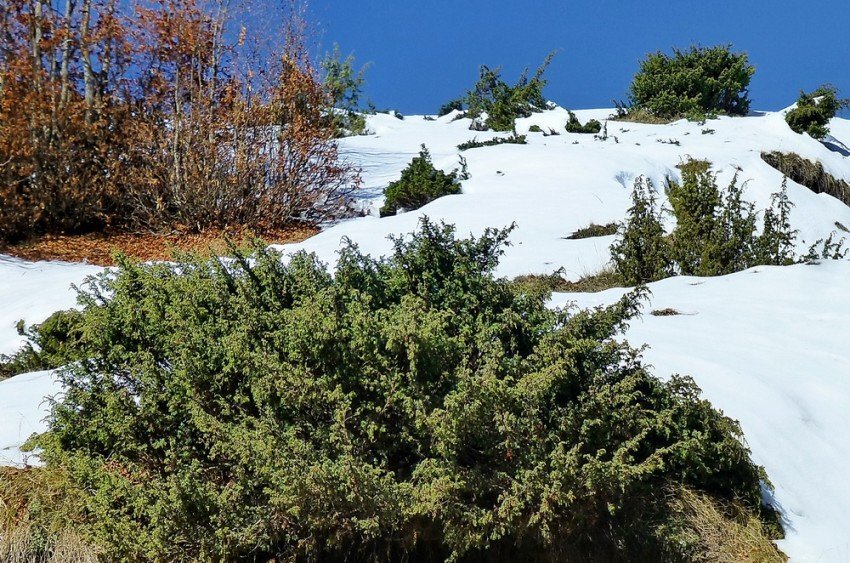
(344, 86)
(775, 245)
(420, 183)
(732, 245)
(695, 201)
(641, 254)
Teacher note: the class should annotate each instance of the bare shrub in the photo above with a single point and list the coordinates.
(159, 116)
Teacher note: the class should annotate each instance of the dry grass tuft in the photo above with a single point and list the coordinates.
(594, 230)
(49, 537)
(607, 278)
(636, 115)
(809, 174)
(668, 312)
(724, 533)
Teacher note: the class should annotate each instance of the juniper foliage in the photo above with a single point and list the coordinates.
(716, 231)
(420, 183)
(692, 83)
(814, 111)
(411, 407)
(503, 103)
(574, 125)
(641, 254)
(344, 86)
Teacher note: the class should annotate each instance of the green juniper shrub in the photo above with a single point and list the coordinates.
(420, 183)
(574, 125)
(716, 230)
(715, 234)
(641, 253)
(692, 83)
(775, 244)
(733, 241)
(503, 103)
(448, 107)
(694, 201)
(827, 249)
(535, 129)
(814, 111)
(50, 344)
(512, 140)
(411, 407)
(344, 86)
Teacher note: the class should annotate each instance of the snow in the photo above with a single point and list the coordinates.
(32, 291)
(768, 346)
(552, 186)
(24, 406)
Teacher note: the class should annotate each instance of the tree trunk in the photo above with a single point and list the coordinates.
(66, 54)
(88, 72)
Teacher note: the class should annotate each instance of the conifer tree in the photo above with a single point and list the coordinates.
(732, 246)
(775, 245)
(344, 86)
(695, 202)
(641, 254)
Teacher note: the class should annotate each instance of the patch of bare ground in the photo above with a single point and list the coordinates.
(98, 248)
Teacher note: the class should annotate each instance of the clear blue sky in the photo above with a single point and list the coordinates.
(423, 53)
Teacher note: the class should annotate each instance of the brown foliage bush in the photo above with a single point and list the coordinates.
(158, 116)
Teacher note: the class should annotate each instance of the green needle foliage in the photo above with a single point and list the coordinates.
(641, 254)
(693, 83)
(420, 183)
(574, 125)
(50, 344)
(344, 87)
(412, 407)
(502, 102)
(715, 233)
(815, 110)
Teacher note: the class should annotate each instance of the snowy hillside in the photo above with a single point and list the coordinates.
(769, 345)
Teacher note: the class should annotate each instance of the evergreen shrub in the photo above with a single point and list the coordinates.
(716, 230)
(420, 183)
(410, 407)
(574, 125)
(501, 102)
(692, 83)
(49, 345)
(815, 110)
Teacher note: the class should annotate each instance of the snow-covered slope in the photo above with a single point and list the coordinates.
(557, 184)
(768, 346)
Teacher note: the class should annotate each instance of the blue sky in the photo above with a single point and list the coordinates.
(423, 53)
